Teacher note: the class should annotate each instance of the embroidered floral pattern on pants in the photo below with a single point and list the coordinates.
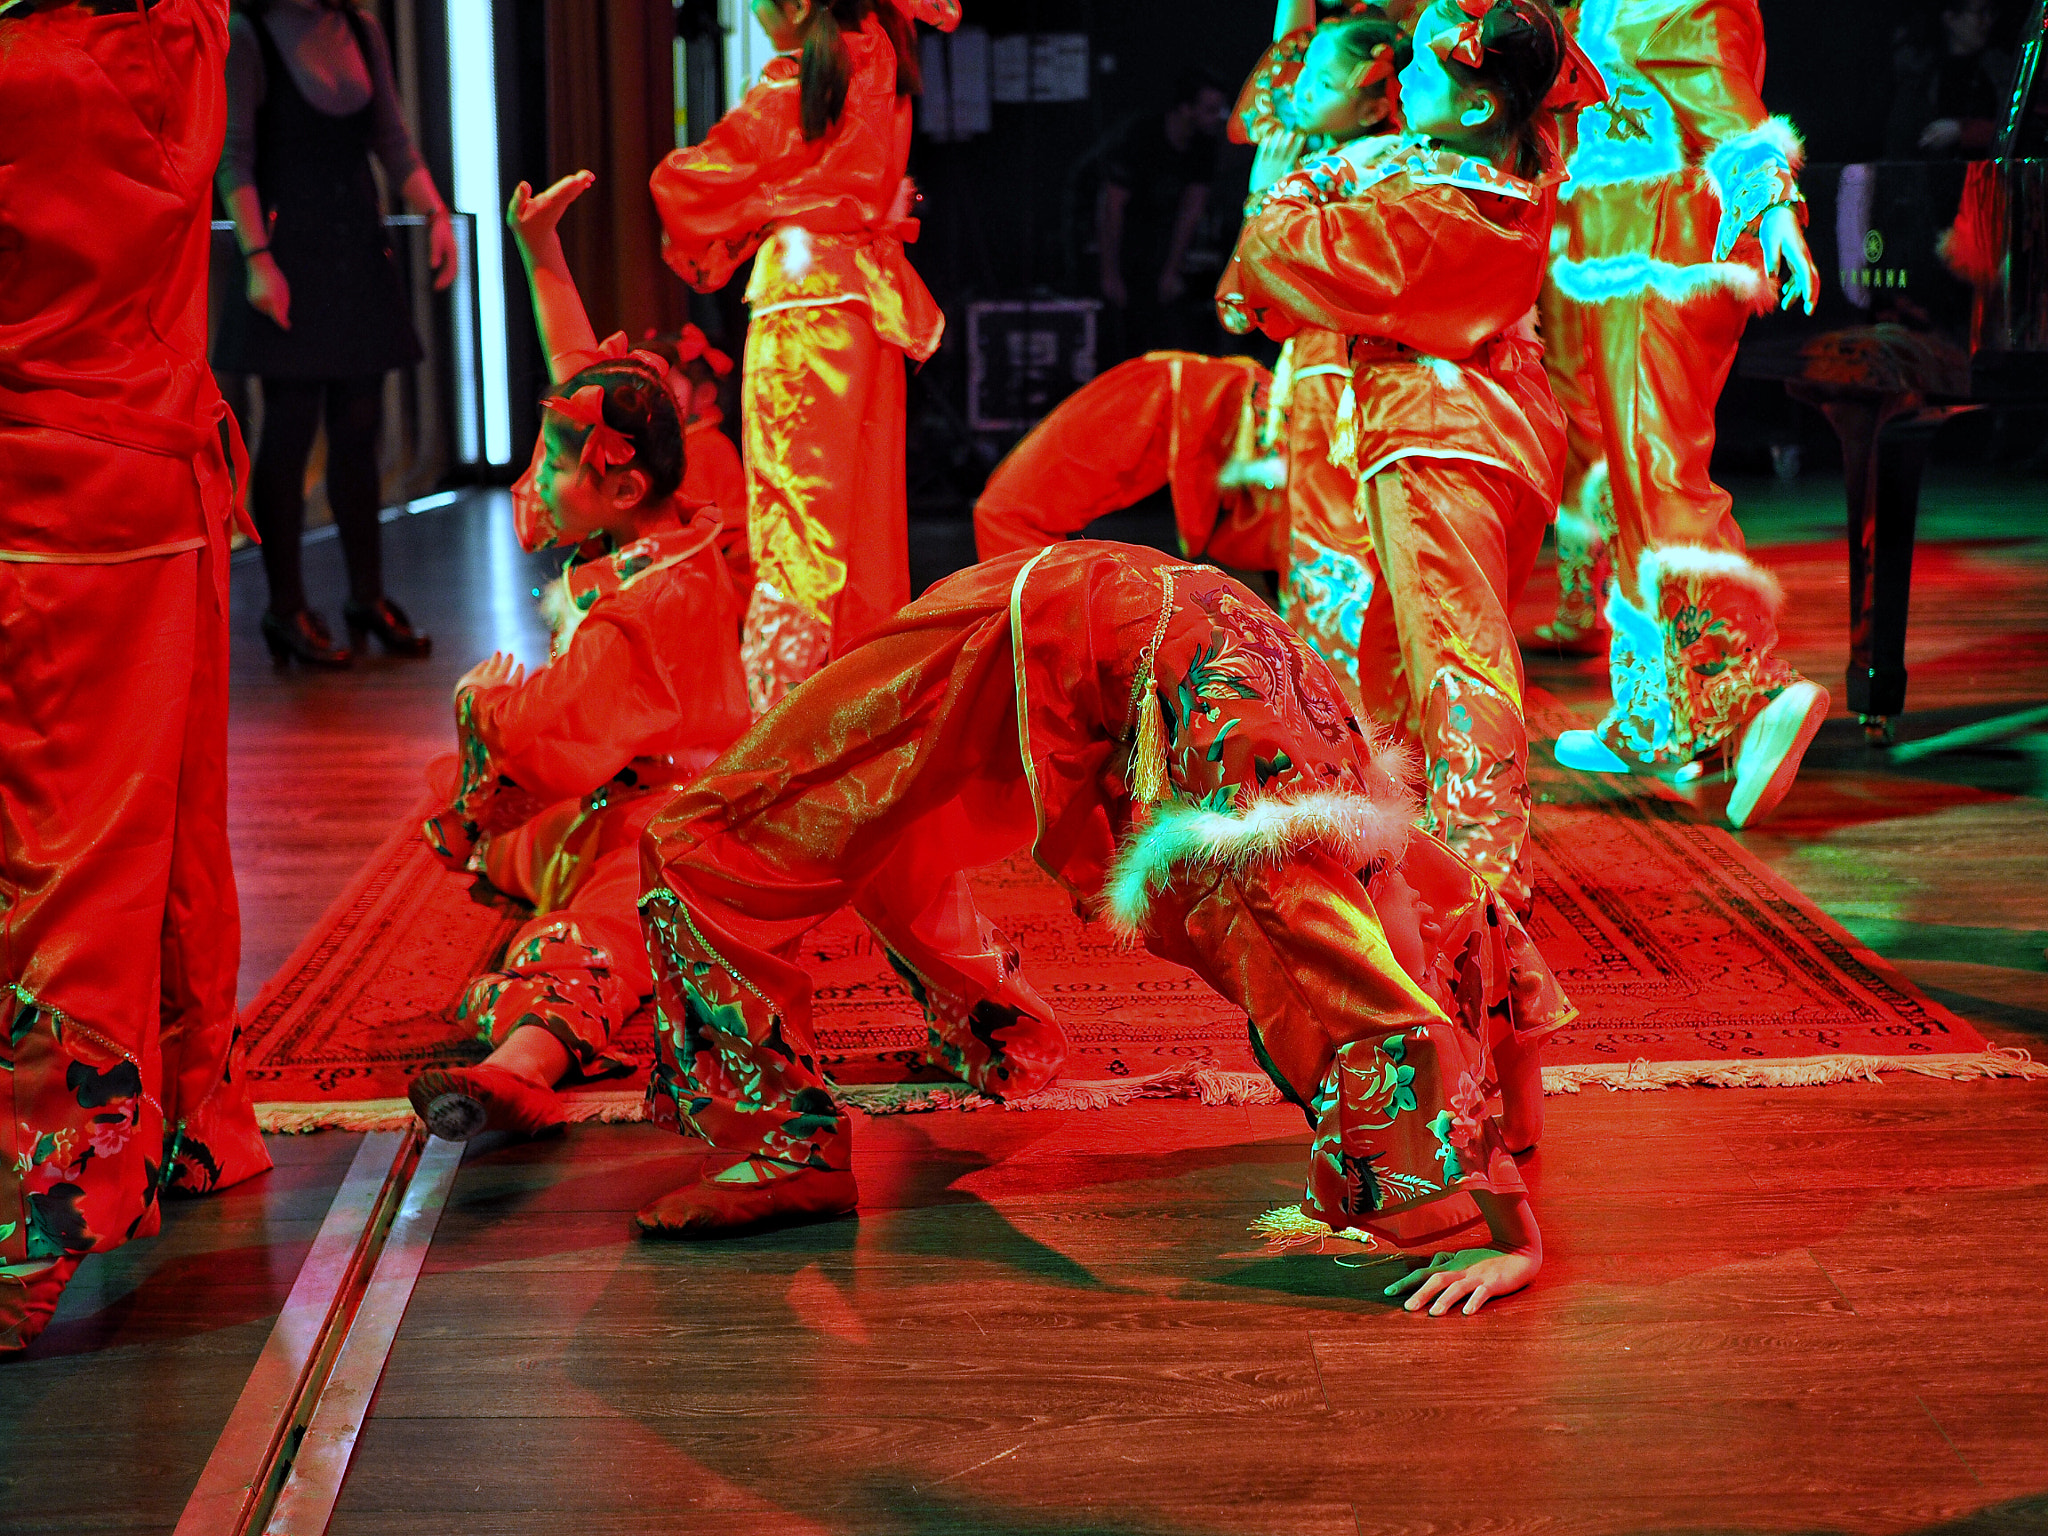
(1324, 599)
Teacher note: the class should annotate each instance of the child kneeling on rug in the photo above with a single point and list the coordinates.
(1171, 753)
(558, 773)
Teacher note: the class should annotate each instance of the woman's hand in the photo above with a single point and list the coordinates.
(269, 294)
(1472, 1275)
(534, 215)
(1784, 246)
(441, 247)
(1278, 154)
(1942, 133)
(495, 670)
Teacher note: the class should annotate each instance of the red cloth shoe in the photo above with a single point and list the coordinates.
(27, 1302)
(458, 1102)
(712, 1208)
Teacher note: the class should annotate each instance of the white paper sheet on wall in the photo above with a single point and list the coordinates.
(1043, 66)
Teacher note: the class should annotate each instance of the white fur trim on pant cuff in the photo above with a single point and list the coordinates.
(1600, 278)
(1356, 828)
(1683, 562)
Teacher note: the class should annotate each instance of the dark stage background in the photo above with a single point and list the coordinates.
(1009, 212)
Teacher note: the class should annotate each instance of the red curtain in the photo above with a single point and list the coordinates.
(611, 110)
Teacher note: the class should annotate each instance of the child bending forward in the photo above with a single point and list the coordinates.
(1173, 755)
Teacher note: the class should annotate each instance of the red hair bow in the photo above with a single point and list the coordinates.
(606, 447)
(1578, 84)
(1381, 67)
(692, 344)
(1468, 42)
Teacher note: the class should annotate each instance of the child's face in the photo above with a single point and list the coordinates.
(1326, 101)
(559, 502)
(1433, 103)
(783, 21)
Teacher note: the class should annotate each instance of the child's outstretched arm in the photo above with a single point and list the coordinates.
(558, 313)
(1291, 16)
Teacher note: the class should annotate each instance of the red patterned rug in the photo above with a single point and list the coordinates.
(1691, 963)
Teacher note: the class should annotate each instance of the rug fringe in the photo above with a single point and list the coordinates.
(1217, 1087)
(1794, 1072)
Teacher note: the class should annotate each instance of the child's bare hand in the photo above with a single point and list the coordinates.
(534, 215)
(1278, 154)
(1474, 1276)
(497, 669)
(1784, 246)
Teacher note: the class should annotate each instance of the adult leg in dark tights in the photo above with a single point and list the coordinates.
(277, 501)
(354, 411)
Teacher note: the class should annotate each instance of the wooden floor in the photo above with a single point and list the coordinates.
(1811, 1310)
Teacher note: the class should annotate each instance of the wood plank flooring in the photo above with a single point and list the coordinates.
(1805, 1310)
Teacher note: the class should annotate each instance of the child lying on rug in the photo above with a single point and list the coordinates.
(1173, 754)
(558, 772)
(1196, 425)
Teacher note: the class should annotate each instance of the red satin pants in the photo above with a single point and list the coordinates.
(119, 931)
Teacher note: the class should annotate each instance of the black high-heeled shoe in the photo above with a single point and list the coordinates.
(303, 638)
(387, 621)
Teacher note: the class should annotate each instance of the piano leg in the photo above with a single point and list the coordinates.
(1884, 451)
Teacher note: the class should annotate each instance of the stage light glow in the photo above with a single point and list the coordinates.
(473, 119)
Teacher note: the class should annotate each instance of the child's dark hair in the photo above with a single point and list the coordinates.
(825, 69)
(638, 406)
(1524, 44)
(1358, 38)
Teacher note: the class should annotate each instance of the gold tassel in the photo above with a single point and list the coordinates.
(1344, 431)
(1148, 754)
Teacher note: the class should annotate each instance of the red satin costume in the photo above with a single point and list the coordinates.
(558, 775)
(835, 309)
(1192, 424)
(119, 936)
(1658, 274)
(1177, 759)
(1331, 569)
(1428, 263)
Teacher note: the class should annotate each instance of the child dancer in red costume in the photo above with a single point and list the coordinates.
(1684, 211)
(712, 473)
(1199, 426)
(558, 773)
(1172, 753)
(806, 176)
(1427, 251)
(1318, 88)
(119, 933)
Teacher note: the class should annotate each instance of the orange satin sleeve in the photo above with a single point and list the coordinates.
(719, 198)
(1421, 266)
(1708, 61)
(647, 674)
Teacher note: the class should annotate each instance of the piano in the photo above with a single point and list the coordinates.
(1934, 302)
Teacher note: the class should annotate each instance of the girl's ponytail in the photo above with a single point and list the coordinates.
(825, 71)
(825, 68)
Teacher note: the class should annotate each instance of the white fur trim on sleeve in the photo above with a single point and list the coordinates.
(1358, 828)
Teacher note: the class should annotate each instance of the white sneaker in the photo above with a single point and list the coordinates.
(1585, 751)
(1768, 750)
